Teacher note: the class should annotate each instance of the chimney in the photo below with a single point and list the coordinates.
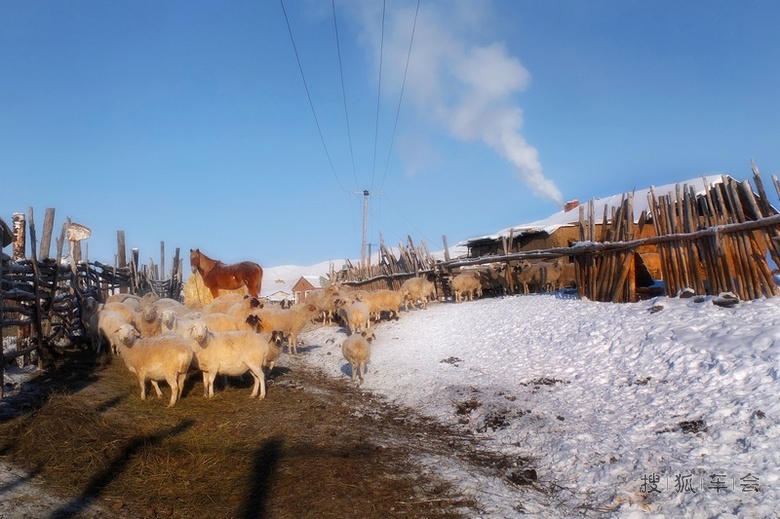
(568, 206)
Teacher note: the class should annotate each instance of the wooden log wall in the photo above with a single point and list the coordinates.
(732, 258)
(390, 271)
(608, 274)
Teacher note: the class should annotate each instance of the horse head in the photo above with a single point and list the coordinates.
(194, 259)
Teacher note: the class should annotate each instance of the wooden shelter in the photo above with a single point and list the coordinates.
(562, 229)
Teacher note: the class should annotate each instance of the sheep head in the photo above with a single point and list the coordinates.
(127, 334)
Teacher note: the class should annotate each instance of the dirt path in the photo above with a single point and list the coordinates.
(315, 447)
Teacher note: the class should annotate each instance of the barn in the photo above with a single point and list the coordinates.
(565, 228)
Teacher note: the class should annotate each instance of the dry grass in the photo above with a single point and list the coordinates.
(197, 295)
(308, 450)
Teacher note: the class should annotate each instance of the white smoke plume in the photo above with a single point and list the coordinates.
(466, 87)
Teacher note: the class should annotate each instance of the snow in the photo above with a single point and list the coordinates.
(611, 404)
(595, 395)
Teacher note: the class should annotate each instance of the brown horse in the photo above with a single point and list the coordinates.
(218, 275)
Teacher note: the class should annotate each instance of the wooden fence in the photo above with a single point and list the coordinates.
(712, 243)
(41, 299)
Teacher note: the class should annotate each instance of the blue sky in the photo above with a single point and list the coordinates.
(190, 123)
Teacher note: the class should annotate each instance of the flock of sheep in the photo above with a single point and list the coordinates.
(161, 339)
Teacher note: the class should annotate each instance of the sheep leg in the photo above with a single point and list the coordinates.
(156, 387)
(353, 368)
(173, 381)
(208, 384)
(142, 382)
(259, 376)
(292, 343)
(181, 378)
(362, 371)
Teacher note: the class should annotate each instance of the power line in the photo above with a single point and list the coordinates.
(343, 92)
(401, 96)
(308, 95)
(378, 91)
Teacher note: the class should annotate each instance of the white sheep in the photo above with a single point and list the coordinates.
(130, 300)
(219, 322)
(382, 300)
(245, 307)
(179, 324)
(148, 321)
(288, 322)
(104, 324)
(223, 302)
(528, 276)
(325, 301)
(165, 357)
(355, 315)
(552, 274)
(232, 353)
(123, 309)
(417, 289)
(540, 276)
(466, 285)
(357, 350)
(167, 303)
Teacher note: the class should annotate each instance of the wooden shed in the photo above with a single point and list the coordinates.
(563, 228)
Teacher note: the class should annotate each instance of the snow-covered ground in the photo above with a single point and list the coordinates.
(662, 408)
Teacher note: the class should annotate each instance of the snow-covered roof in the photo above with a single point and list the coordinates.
(572, 217)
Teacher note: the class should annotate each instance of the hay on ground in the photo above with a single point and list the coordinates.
(197, 295)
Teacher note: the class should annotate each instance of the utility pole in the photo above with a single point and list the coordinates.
(363, 258)
(363, 247)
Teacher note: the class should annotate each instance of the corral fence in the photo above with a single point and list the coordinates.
(717, 242)
(41, 299)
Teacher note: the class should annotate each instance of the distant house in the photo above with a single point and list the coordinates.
(304, 285)
(280, 291)
(279, 295)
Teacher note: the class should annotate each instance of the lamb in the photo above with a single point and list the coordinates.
(232, 353)
(417, 289)
(357, 350)
(288, 322)
(166, 357)
(383, 300)
(466, 284)
(354, 314)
